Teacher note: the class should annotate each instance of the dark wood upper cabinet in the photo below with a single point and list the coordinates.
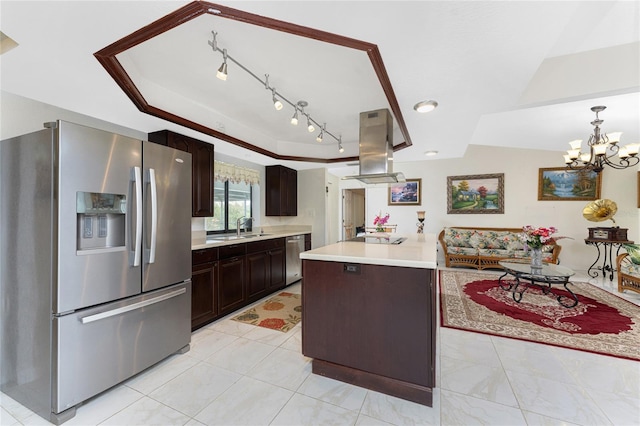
(202, 172)
(281, 191)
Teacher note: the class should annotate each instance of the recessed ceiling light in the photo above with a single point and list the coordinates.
(430, 153)
(425, 106)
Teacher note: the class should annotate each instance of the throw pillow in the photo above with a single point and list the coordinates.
(634, 252)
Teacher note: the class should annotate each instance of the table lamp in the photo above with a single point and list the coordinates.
(421, 222)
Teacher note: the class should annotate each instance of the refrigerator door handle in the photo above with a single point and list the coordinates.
(132, 307)
(137, 180)
(154, 215)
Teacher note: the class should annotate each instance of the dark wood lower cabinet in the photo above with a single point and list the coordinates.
(371, 325)
(231, 285)
(204, 306)
(257, 275)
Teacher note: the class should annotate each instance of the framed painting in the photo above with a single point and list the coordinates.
(475, 194)
(405, 193)
(562, 184)
(638, 189)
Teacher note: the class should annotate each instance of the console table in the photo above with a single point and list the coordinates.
(605, 249)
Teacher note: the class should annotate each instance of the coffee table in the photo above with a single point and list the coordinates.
(548, 274)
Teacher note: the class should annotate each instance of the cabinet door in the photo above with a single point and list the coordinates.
(257, 275)
(373, 318)
(291, 194)
(231, 284)
(203, 294)
(277, 269)
(202, 179)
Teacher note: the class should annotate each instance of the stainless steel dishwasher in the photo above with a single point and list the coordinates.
(295, 246)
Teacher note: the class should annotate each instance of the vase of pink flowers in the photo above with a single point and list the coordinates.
(535, 239)
(379, 221)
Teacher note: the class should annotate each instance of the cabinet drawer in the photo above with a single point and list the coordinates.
(232, 251)
(204, 256)
(265, 245)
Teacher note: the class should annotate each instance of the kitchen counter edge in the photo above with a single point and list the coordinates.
(199, 245)
(418, 251)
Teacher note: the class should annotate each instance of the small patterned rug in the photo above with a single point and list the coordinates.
(601, 322)
(281, 312)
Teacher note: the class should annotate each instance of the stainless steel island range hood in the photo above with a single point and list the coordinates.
(376, 149)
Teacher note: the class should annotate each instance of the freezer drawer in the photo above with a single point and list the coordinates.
(97, 348)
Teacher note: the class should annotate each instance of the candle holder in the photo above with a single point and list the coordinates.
(420, 223)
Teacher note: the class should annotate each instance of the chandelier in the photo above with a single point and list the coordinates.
(277, 98)
(602, 150)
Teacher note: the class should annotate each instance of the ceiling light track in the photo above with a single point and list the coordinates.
(276, 97)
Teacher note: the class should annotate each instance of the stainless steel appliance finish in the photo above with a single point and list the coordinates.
(295, 246)
(95, 263)
(376, 148)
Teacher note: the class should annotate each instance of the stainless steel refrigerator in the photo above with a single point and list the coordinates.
(95, 262)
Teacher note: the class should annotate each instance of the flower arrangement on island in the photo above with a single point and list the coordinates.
(535, 238)
(379, 221)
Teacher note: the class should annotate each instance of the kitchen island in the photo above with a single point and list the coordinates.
(368, 315)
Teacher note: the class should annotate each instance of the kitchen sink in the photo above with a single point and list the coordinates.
(214, 238)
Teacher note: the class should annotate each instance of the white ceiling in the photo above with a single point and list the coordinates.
(513, 74)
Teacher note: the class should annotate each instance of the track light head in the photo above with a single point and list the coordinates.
(310, 127)
(320, 136)
(222, 71)
(294, 119)
(276, 102)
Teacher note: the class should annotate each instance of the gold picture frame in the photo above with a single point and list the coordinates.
(562, 184)
(475, 194)
(406, 193)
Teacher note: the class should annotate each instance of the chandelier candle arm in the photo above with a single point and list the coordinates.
(602, 149)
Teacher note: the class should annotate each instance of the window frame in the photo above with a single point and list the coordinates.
(227, 229)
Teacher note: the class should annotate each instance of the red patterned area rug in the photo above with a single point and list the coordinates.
(601, 322)
(281, 313)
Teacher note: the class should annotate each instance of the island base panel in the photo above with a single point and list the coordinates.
(409, 391)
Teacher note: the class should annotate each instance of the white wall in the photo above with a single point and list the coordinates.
(521, 207)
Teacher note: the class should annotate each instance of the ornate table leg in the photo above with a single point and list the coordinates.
(500, 282)
(575, 298)
(594, 274)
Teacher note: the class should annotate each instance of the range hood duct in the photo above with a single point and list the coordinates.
(376, 149)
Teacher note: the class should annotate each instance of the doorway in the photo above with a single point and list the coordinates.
(353, 212)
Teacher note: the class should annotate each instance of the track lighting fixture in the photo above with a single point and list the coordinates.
(321, 134)
(222, 71)
(277, 98)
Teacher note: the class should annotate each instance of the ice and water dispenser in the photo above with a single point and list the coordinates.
(101, 220)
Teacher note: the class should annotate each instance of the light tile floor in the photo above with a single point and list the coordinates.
(238, 374)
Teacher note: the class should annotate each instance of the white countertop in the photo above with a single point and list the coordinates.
(203, 243)
(417, 251)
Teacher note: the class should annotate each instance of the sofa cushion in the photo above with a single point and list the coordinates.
(630, 269)
(634, 252)
(458, 237)
(502, 240)
(468, 251)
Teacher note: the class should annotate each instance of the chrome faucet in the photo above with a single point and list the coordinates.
(240, 222)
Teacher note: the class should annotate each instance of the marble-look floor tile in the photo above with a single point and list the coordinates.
(457, 409)
(477, 380)
(370, 421)
(105, 405)
(210, 343)
(230, 326)
(555, 399)
(146, 412)
(468, 346)
(241, 355)
(539, 419)
(7, 419)
(14, 408)
(268, 336)
(532, 358)
(620, 409)
(334, 392)
(301, 409)
(156, 376)
(247, 402)
(282, 368)
(399, 411)
(294, 343)
(195, 388)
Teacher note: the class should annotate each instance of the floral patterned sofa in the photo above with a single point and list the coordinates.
(483, 248)
(628, 266)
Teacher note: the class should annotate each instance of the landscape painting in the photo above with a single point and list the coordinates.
(475, 194)
(561, 184)
(405, 193)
